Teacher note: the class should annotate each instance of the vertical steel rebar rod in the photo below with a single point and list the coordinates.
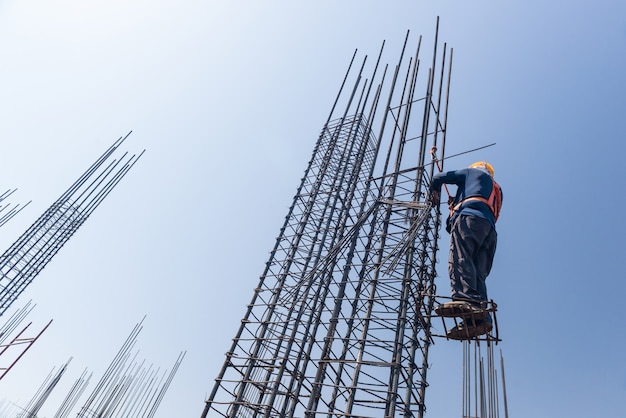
(506, 406)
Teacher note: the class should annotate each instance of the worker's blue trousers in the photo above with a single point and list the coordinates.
(473, 243)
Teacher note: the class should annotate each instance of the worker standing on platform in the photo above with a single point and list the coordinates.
(473, 238)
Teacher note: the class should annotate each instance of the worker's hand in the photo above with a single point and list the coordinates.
(434, 197)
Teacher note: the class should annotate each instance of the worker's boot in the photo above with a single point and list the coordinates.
(460, 308)
(471, 328)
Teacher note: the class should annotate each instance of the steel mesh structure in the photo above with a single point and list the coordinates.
(27, 256)
(339, 323)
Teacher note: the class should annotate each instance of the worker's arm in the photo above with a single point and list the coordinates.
(450, 177)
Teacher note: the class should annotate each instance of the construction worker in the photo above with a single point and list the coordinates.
(471, 224)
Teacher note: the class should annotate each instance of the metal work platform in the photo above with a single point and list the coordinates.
(447, 323)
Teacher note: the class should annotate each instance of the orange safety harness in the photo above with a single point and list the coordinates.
(494, 202)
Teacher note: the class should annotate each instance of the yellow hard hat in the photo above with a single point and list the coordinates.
(485, 165)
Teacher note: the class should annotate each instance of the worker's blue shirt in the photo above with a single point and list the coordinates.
(470, 182)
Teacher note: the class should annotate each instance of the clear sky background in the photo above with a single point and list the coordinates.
(228, 99)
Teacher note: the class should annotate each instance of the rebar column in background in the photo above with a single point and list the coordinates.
(35, 248)
(339, 323)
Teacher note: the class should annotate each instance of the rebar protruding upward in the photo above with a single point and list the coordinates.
(44, 391)
(129, 388)
(482, 392)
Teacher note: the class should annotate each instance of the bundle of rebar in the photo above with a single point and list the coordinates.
(73, 395)
(129, 388)
(36, 403)
(482, 391)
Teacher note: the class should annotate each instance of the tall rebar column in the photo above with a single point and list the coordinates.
(35, 248)
(339, 323)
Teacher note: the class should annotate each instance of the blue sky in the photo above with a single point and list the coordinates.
(228, 99)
